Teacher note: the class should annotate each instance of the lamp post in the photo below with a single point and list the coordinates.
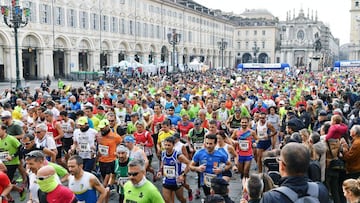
(173, 39)
(222, 46)
(16, 17)
(256, 50)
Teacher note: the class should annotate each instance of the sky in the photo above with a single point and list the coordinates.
(335, 13)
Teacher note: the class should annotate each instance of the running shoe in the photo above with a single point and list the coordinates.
(190, 195)
(197, 194)
(22, 194)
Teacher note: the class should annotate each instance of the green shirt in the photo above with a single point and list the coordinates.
(121, 171)
(147, 193)
(10, 144)
(191, 114)
(60, 171)
(131, 128)
(14, 129)
(96, 122)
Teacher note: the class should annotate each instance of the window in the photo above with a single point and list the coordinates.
(122, 26)
(152, 31)
(145, 30)
(238, 33)
(247, 32)
(94, 21)
(356, 4)
(255, 32)
(114, 24)
(247, 45)
(190, 36)
(71, 18)
(45, 13)
(59, 16)
(239, 45)
(138, 29)
(263, 44)
(122, 1)
(32, 17)
(158, 32)
(131, 27)
(263, 32)
(84, 20)
(105, 23)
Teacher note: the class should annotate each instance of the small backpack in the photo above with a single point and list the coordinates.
(312, 194)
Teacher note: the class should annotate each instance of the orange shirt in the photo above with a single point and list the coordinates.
(107, 147)
(228, 104)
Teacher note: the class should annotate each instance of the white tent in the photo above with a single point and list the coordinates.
(195, 65)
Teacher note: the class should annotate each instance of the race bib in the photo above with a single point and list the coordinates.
(3, 156)
(207, 179)
(104, 150)
(64, 127)
(169, 171)
(84, 147)
(148, 151)
(80, 201)
(198, 146)
(244, 145)
(140, 146)
(122, 180)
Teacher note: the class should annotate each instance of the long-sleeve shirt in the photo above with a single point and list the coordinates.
(336, 131)
(352, 157)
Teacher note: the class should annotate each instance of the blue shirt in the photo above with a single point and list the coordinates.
(218, 158)
(75, 106)
(174, 119)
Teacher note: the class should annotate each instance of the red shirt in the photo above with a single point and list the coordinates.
(4, 183)
(144, 137)
(157, 120)
(61, 194)
(54, 132)
(184, 129)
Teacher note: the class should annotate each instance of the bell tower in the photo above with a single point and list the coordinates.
(355, 29)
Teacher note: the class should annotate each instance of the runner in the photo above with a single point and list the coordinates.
(172, 171)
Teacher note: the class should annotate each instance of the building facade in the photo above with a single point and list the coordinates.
(65, 36)
(354, 45)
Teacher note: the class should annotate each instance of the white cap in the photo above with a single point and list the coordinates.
(282, 102)
(5, 114)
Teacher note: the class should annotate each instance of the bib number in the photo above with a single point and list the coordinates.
(104, 150)
(198, 146)
(169, 171)
(207, 179)
(244, 145)
(3, 156)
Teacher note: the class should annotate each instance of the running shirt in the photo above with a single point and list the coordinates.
(197, 138)
(262, 131)
(107, 147)
(172, 167)
(53, 132)
(146, 193)
(235, 123)
(225, 150)
(121, 170)
(216, 159)
(4, 183)
(66, 126)
(85, 141)
(9, 146)
(245, 143)
(144, 137)
(184, 128)
(82, 188)
(162, 136)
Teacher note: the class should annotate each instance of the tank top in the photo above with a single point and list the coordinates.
(262, 131)
(235, 123)
(52, 131)
(66, 126)
(197, 138)
(156, 121)
(82, 189)
(225, 149)
(172, 167)
(245, 143)
(121, 170)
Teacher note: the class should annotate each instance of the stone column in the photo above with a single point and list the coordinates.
(47, 63)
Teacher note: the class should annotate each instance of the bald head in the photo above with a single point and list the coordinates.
(46, 171)
(296, 158)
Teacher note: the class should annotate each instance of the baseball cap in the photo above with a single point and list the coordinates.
(237, 110)
(176, 135)
(322, 113)
(103, 123)
(82, 120)
(129, 138)
(282, 102)
(5, 114)
(122, 148)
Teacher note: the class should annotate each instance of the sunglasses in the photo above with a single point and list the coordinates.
(133, 174)
(43, 177)
(37, 132)
(27, 143)
(111, 120)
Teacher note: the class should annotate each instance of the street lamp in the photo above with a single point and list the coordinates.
(173, 39)
(256, 50)
(14, 18)
(222, 46)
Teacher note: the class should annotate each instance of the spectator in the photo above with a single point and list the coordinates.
(351, 188)
(293, 163)
(351, 154)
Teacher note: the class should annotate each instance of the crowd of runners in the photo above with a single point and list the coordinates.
(80, 144)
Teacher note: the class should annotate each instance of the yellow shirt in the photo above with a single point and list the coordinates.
(162, 136)
(16, 115)
(96, 122)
